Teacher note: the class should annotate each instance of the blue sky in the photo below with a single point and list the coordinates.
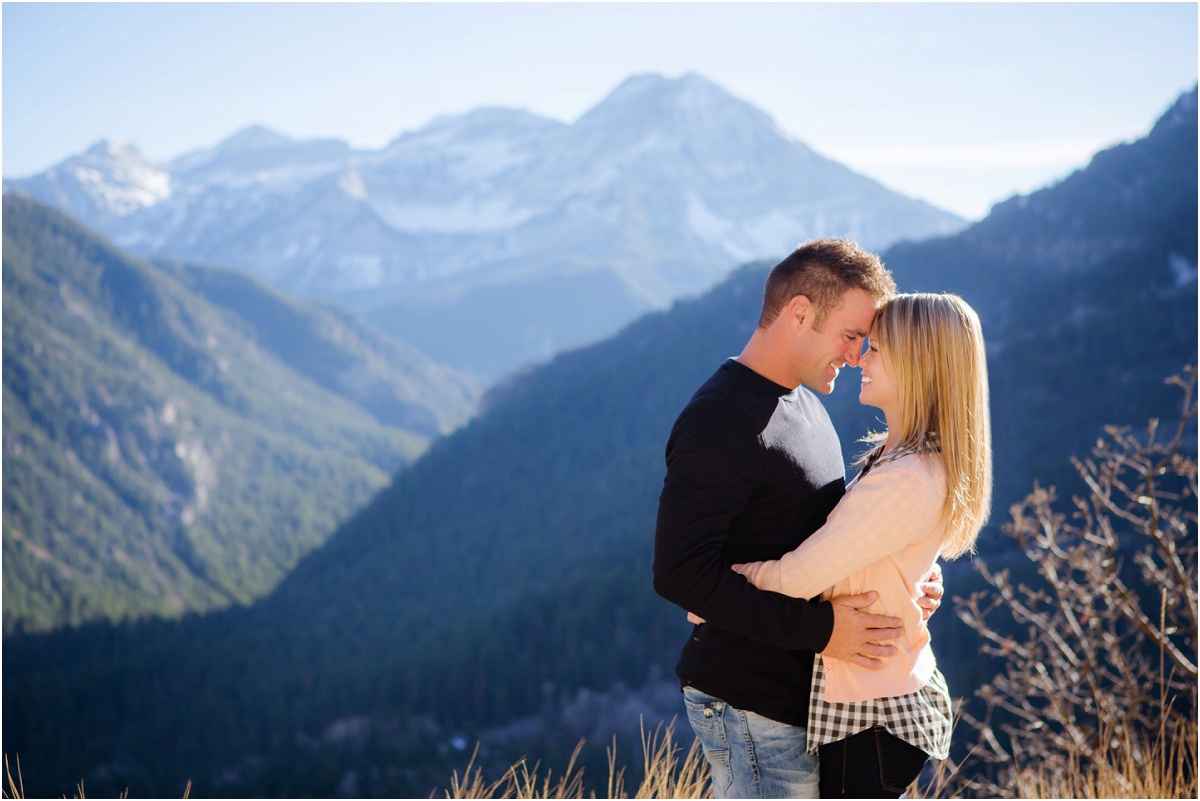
(961, 105)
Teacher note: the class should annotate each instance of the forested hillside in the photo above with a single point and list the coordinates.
(1087, 292)
(509, 569)
(176, 438)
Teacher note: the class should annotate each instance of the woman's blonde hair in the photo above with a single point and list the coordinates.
(934, 346)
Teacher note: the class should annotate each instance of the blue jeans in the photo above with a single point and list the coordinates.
(751, 756)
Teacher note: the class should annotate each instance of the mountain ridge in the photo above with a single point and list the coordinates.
(163, 454)
(657, 191)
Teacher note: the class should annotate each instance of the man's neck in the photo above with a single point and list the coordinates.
(761, 356)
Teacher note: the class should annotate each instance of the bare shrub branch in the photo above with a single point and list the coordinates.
(1098, 640)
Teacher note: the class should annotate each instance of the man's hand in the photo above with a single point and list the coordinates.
(858, 636)
(934, 589)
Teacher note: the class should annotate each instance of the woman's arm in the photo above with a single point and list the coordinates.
(885, 511)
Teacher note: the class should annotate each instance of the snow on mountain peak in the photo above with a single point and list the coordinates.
(256, 137)
(469, 150)
(118, 178)
(686, 93)
(463, 131)
(690, 106)
(488, 119)
(674, 160)
(114, 149)
(258, 156)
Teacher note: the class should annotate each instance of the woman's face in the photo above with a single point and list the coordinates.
(878, 385)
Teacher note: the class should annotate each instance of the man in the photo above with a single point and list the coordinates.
(754, 467)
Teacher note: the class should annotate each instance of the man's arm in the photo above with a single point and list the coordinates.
(857, 637)
(710, 476)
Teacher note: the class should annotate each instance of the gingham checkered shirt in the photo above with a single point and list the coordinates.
(923, 718)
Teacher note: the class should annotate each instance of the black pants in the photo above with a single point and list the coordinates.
(871, 764)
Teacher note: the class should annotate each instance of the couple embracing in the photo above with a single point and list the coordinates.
(840, 695)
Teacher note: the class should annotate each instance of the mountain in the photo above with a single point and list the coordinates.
(496, 238)
(1087, 293)
(500, 589)
(177, 437)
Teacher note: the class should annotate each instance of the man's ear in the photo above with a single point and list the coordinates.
(800, 311)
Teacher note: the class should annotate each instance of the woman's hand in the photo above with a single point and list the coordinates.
(933, 590)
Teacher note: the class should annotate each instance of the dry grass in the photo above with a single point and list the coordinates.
(665, 776)
(519, 781)
(11, 788)
(669, 772)
(1169, 773)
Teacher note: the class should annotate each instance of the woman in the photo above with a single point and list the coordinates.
(924, 492)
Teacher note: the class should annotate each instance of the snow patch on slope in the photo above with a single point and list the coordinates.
(467, 215)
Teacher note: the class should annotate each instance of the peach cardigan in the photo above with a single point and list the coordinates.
(884, 535)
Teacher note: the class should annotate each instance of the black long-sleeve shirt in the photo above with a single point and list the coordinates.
(753, 469)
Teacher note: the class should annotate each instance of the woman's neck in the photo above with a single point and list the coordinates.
(893, 432)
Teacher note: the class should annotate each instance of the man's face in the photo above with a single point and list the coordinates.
(820, 354)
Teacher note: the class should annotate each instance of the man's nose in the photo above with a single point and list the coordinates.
(853, 354)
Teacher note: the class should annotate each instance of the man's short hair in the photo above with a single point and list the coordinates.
(824, 270)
